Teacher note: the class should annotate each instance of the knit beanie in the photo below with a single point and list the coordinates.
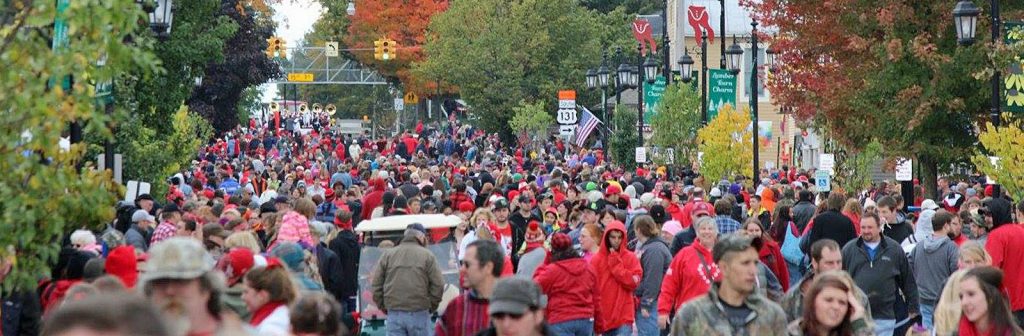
(121, 263)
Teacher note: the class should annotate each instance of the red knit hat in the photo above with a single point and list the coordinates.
(560, 242)
(122, 264)
(466, 206)
(236, 263)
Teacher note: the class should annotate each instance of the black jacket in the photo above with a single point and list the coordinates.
(684, 238)
(882, 278)
(898, 231)
(346, 246)
(21, 314)
(330, 270)
(803, 211)
(829, 225)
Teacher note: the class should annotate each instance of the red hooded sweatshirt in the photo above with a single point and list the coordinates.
(374, 197)
(687, 277)
(618, 276)
(571, 287)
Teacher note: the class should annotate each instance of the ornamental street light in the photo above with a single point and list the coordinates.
(650, 70)
(686, 63)
(591, 79)
(734, 56)
(351, 10)
(160, 20)
(771, 53)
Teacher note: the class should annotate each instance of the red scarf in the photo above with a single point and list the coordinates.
(263, 312)
(967, 328)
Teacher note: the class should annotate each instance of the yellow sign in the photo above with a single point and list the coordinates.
(411, 98)
(300, 77)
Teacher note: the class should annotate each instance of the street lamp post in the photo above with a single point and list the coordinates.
(721, 31)
(648, 70)
(735, 57)
(965, 16)
(686, 64)
(160, 19)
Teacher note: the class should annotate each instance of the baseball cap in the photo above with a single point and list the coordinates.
(612, 190)
(734, 242)
(171, 207)
(417, 226)
(176, 258)
(515, 295)
(701, 207)
(142, 215)
(146, 197)
(500, 203)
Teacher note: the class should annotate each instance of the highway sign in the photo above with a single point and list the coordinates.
(332, 49)
(300, 77)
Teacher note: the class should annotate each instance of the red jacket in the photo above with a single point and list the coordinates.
(675, 211)
(771, 255)
(373, 198)
(571, 287)
(687, 278)
(1008, 255)
(618, 276)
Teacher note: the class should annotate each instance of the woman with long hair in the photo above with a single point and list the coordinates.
(986, 311)
(947, 310)
(571, 286)
(852, 210)
(590, 241)
(770, 253)
(267, 292)
(831, 307)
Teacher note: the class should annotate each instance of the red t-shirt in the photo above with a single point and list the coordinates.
(1008, 255)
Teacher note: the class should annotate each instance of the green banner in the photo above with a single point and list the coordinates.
(1013, 78)
(652, 96)
(721, 91)
(60, 36)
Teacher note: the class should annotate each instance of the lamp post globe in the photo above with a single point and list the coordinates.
(634, 76)
(650, 70)
(591, 79)
(351, 9)
(622, 79)
(965, 19)
(734, 57)
(771, 52)
(685, 67)
(161, 18)
(602, 76)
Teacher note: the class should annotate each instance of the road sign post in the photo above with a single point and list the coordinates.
(823, 180)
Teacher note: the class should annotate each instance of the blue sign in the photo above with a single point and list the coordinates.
(823, 181)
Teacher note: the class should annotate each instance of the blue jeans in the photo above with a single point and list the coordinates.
(647, 326)
(580, 327)
(402, 323)
(928, 316)
(884, 327)
(624, 330)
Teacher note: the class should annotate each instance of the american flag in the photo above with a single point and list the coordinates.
(588, 122)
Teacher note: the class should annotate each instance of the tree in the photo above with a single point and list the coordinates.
(531, 121)
(890, 72)
(726, 144)
(677, 120)
(622, 140)
(629, 6)
(1006, 143)
(498, 53)
(243, 66)
(403, 21)
(44, 195)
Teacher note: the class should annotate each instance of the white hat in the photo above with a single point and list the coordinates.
(715, 192)
(929, 205)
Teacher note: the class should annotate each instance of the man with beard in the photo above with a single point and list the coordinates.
(180, 282)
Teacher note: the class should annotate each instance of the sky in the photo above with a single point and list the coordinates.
(294, 18)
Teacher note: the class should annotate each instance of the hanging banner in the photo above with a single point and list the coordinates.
(652, 96)
(1013, 82)
(721, 91)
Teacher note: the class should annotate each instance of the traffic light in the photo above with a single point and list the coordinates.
(384, 49)
(276, 47)
(272, 42)
(378, 49)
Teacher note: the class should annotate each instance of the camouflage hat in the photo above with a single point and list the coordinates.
(734, 242)
(176, 258)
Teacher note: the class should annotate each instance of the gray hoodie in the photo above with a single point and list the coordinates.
(933, 261)
(654, 259)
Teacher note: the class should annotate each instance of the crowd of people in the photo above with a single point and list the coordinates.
(258, 237)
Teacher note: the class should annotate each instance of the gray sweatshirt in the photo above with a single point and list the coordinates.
(654, 260)
(933, 261)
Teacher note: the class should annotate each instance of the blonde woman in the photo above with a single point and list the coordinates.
(973, 254)
(947, 310)
(246, 239)
(478, 229)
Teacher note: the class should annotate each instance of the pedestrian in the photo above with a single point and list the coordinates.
(830, 224)
(933, 260)
(141, 230)
(590, 244)
(654, 258)
(712, 314)
(803, 211)
(181, 283)
(345, 244)
(20, 310)
(408, 284)
(947, 310)
(1004, 244)
(985, 310)
(169, 218)
(691, 272)
(110, 315)
(826, 255)
(267, 292)
(235, 264)
(316, 314)
(618, 275)
(570, 284)
(517, 309)
(466, 314)
(832, 308)
(892, 226)
(726, 224)
(770, 253)
(878, 264)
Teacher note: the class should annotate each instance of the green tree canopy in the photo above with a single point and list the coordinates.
(677, 120)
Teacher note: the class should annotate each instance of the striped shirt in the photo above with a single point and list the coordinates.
(466, 315)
